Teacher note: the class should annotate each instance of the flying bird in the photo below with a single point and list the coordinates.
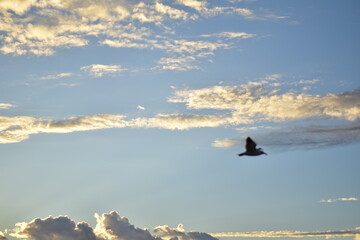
(251, 149)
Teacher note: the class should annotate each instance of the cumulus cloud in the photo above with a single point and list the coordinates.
(99, 70)
(60, 228)
(339, 199)
(113, 226)
(6, 105)
(291, 234)
(109, 226)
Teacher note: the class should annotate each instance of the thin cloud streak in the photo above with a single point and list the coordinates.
(290, 234)
(56, 76)
(339, 199)
(6, 105)
(99, 70)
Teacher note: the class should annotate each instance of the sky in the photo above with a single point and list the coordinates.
(124, 119)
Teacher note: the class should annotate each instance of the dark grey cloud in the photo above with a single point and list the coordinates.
(60, 228)
(304, 137)
(310, 137)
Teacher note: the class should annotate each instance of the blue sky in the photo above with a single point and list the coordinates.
(134, 112)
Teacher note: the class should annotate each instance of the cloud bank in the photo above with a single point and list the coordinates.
(109, 226)
(112, 226)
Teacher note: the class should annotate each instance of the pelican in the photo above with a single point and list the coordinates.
(251, 149)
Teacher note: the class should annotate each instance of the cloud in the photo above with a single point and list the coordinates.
(6, 105)
(113, 226)
(259, 103)
(241, 35)
(231, 105)
(99, 70)
(2, 235)
(290, 234)
(339, 199)
(60, 228)
(16, 129)
(167, 233)
(56, 76)
(304, 137)
(52, 25)
(139, 107)
(109, 226)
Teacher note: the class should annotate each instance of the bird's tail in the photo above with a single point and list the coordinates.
(241, 154)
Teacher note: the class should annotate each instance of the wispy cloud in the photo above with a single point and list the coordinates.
(339, 199)
(99, 70)
(56, 76)
(6, 105)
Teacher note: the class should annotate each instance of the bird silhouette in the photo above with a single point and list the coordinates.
(251, 149)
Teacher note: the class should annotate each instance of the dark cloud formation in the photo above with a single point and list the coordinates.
(304, 137)
(310, 137)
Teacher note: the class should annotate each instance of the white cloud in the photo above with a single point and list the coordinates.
(339, 199)
(56, 76)
(17, 6)
(139, 107)
(180, 64)
(242, 35)
(6, 105)
(2, 235)
(195, 4)
(99, 70)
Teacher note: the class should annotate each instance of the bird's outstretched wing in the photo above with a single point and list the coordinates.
(250, 145)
